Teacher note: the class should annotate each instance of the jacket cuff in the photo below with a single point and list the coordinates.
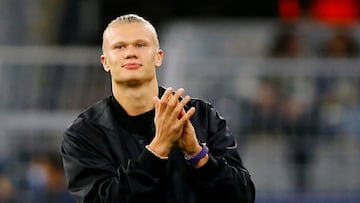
(209, 170)
(152, 163)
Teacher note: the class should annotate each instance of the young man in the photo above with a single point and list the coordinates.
(146, 143)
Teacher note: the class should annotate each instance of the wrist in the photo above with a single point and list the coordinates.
(194, 159)
(194, 151)
(160, 148)
(155, 153)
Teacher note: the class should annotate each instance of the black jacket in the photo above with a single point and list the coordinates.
(105, 159)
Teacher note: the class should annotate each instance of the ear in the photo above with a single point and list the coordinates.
(159, 58)
(104, 63)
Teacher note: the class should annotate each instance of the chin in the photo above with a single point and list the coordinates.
(130, 83)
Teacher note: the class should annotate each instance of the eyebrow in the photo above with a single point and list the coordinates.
(133, 41)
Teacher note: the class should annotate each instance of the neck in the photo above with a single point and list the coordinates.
(136, 99)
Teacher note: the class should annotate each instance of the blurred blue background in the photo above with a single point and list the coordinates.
(284, 73)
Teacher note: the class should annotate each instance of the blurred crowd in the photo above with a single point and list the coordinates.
(35, 178)
(278, 109)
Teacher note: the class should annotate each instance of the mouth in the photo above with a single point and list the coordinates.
(131, 65)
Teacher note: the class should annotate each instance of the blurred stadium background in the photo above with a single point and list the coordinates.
(284, 73)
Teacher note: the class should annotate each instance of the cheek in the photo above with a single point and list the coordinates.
(114, 62)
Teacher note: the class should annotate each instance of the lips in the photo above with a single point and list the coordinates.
(131, 65)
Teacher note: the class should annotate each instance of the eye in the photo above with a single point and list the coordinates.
(140, 44)
(120, 46)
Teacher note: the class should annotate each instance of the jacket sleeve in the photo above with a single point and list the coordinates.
(92, 175)
(223, 178)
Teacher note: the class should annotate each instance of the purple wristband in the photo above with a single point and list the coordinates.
(196, 158)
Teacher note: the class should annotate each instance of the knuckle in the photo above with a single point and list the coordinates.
(163, 102)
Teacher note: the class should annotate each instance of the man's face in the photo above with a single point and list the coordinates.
(131, 53)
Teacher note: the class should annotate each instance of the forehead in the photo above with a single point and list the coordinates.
(129, 31)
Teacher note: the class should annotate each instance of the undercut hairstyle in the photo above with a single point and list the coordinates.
(132, 18)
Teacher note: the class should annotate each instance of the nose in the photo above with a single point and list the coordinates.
(130, 52)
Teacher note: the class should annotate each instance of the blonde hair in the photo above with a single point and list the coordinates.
(132, 18)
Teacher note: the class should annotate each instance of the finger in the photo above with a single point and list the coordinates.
(165, 98)
(168, 92)
(156, 101)
(160, 103)
(186, 117)
(179, 110)
(172, 108)
(156, 104)
(182, 104)
(174, 100)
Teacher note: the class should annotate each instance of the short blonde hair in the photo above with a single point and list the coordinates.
(132, 18)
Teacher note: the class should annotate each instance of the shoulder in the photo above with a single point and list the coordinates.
(97, 109)
(204, 110)
(88, 129)
(91, 114)
(200, 105)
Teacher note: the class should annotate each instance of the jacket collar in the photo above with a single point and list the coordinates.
(106, 111)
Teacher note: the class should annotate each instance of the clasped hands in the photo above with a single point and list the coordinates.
(172, 124)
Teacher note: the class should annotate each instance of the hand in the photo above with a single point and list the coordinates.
(170, 119)
(188, 141)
